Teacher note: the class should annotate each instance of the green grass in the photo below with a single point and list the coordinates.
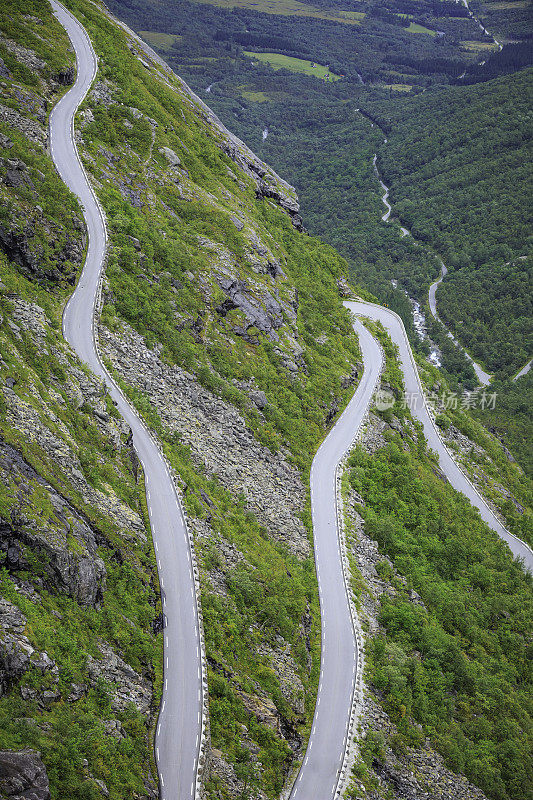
(255, 97)
(479, 47)
(398, 87)
(414, 27)
(277, 61)
(163, 41)
(509, 6)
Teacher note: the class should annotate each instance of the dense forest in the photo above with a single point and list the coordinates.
(353, 47)
(458, 165)
(511, 21)
(510, 419)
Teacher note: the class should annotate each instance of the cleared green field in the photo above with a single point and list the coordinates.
(479, 46)
(277, 61)
(254, 97)
(398, 87)
(161, 41)
(290, 8)
(414, 27)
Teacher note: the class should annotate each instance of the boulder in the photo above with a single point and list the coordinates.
(23, 776)
(266, 316)
(66, 77)
(259, 398)
(172, 157)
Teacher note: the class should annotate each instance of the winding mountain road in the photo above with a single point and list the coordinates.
(413, 389)
(179, 729)
(319, 775)
(525, 369)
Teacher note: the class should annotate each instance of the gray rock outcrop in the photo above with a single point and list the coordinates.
(15, 650)
(266, 316)
(23, 776)
(126, 685)
(221, 443)
(78, 571)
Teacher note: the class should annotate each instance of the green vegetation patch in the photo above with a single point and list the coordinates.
(458, 664)
(474, 207)
(414, 27)
(480, 47)
(278, 61)
(398, 87)
(255, 97)
(163, 41)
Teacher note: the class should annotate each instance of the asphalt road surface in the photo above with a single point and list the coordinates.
(325, 751)
(523, 371)
(180, 720)
(413, 390)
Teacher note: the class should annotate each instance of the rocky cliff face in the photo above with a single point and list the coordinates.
(220, 442)
(60, 540)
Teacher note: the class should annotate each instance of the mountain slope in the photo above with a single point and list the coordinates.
(78, 664)
(224, 325)
(208, 268)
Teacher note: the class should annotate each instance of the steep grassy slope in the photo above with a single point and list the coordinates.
(223, 323)
(241, 317)
(79, 607)
(208, 278)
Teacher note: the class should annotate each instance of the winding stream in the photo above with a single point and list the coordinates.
(483, 377)
(385, 196)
